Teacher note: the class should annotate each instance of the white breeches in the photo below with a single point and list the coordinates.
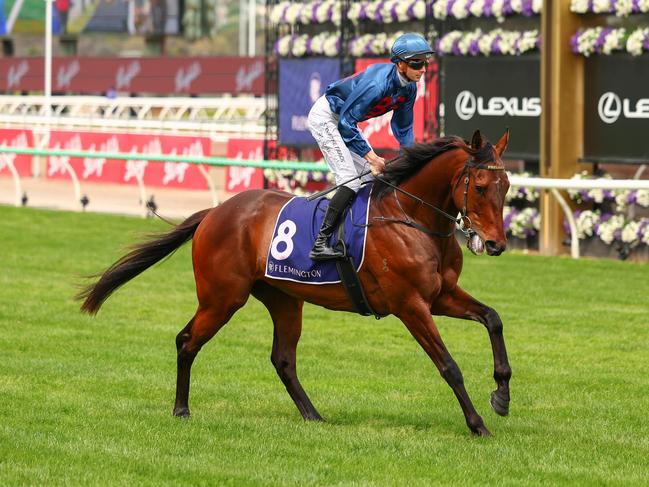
(344, 164)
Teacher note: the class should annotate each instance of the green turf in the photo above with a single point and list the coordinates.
(87, 401)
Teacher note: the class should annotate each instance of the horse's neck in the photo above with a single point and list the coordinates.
(434, 183)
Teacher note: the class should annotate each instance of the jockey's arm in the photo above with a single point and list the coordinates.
(403, 121)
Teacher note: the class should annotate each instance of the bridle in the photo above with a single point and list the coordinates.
(463, 222)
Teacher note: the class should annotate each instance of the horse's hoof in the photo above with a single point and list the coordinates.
(181, 412)
(482, 431)
(499, 405)
(314, 417)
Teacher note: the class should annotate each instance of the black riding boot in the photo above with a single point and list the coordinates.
(338, 204)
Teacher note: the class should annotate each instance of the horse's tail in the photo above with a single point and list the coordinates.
(140, 258)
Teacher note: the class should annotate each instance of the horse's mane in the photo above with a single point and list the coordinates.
(418, 155)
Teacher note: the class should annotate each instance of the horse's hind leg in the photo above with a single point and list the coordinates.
(459, 304)
(286, 313)
(207, 321)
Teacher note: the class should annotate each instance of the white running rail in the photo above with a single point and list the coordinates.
(219, 117)
(554, 185)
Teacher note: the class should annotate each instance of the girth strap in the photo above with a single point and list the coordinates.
(349, 277)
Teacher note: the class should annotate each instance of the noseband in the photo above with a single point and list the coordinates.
(463, 222)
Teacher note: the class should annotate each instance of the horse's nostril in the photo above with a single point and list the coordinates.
(494, 248)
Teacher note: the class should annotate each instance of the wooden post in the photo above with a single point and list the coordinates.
(562, 99)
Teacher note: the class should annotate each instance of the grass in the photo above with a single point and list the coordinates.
(87, 401)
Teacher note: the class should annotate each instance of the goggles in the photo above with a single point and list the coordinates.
(417, 64)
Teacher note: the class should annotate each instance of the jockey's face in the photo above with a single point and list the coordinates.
(413, 69)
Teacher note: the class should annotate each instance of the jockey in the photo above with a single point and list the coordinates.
(334, 117)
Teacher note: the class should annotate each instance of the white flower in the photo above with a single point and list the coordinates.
(642, 198)
(440, 9)
(585, 223)
(402, 11)
(497, 9)
(277, 11)
(292, 13)
(630, 233)
(517, 6)
(354, 12)
(537, 6)
(643, 5)
(299, 45)
(602, 6)
(283, 44)
(635, 42)
(477, 8)
(622, 199)
(623, 8)
(370, 10)
(330, 45)
(613, 41)
(305, 14)
(322, 12)
(607, 229)
(579, 6)
(419, 9)
(459, 9)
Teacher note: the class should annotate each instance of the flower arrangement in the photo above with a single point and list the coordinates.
(387, 11)
(498, 9)
(495, 42)
(623, 198)
(607, 40)
(316, 12)
(372, 44)
(621, 8)
(324, 44)
(521, 223)
(522, 194)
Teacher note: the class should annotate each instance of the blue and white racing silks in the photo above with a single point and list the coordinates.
(369, 94)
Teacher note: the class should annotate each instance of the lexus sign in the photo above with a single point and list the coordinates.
(616, 109)
(492, 94)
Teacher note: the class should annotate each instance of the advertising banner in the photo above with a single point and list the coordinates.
(237, 178)
(22, 162)
(492, 94)
(301, 83)
(616, 109)
(377, 130)
(153, 173)
(161, 75)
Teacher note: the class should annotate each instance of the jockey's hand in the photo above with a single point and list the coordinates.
(377, 163)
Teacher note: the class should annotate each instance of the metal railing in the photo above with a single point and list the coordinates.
(553, 185)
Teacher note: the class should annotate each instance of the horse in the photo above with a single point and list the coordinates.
(411, 267)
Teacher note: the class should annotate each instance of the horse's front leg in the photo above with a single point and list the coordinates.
(416, 316)
(459, 304)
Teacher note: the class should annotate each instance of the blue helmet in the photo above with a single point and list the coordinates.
(409, 45)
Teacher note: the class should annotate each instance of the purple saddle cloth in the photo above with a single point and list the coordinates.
(296, 228)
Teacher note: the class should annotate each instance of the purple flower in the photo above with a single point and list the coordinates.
(330, 14)
(456, 48)
(314, 12)
(488, 8)
(411, 10)
(574, 42)
(635, 6)
(362, 15)
(632, 198)
(601, 39)
(527, 9)
(495, 45)
(308, 51)
(507, 7)
(377, 15)
(449, 7)
(393, 13)
(474, 48)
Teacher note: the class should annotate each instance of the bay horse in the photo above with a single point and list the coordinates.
(411, 268)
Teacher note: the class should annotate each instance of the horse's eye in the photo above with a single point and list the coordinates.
(480, 190)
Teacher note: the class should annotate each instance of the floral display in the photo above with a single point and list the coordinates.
(621, 8)
(372, 44)
(295, 181)
(521, 223)
(607, 40)
(324, 44)
(498, 9)
(522, 194)
(306, 13)
(387, 11)
(495, 42)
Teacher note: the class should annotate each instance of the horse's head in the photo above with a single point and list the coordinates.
(480, 194)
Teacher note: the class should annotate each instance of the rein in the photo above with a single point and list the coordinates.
(463, 222)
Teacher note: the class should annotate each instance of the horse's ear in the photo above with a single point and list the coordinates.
(502, 143)
(477, 141)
